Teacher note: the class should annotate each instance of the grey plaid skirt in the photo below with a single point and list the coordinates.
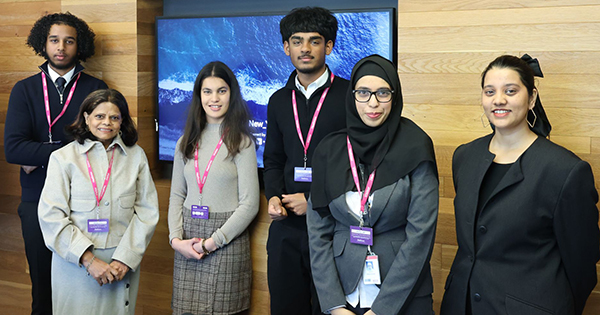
(220, 283)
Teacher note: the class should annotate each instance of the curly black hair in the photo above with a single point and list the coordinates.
(40, 30)
(309, 19)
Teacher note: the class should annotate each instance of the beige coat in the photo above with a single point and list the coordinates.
(68, 201)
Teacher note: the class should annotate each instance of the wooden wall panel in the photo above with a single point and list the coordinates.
(443, 46)
(458, 5)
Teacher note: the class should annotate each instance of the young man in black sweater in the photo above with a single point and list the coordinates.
(312, 93)
(39, 108)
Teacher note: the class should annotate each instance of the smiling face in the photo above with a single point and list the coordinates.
(215, 95)
(307, 51)
(61, 48)
(373, 113)
(104, 122)
(505, 99)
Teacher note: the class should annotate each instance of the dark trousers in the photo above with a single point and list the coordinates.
(39, 258)
(290, 280)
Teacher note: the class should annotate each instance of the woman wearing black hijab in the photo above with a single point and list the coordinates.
(526, 216)
(371, 255)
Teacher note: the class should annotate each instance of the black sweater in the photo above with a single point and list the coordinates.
(26, 125)
(283, 149)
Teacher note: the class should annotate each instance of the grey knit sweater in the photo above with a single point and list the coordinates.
(231, 185)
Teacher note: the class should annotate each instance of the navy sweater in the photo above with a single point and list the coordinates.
(26, 125)
(283, 149)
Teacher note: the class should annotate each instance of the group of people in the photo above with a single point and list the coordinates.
(352, 188)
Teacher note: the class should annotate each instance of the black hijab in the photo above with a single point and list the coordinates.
(395, 148)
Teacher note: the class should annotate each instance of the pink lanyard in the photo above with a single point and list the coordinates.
(365, 196)
(93, 179)
(47, 103)
(202, 180)
(314, 119)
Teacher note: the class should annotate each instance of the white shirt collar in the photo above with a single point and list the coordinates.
(54, 75)
(314, 85)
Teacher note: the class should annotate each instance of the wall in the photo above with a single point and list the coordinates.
(442, 47)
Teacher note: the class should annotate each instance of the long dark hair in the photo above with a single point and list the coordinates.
(235, 124)
(78, 129)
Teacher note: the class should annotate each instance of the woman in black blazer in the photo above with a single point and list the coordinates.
(526, 216)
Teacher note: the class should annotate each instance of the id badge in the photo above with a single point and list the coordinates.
(361, 235)
(371, 270)
(97, 225)
(302, 174)
(56, 142)
(200, 212)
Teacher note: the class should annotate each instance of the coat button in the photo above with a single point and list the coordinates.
(126, 303)
(477, 297)
(127, 286)
(482, 229)
(106, 203)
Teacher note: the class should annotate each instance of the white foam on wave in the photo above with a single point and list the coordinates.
(169, 84)
(254, 90)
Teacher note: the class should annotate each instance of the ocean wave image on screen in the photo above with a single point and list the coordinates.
(252, 47)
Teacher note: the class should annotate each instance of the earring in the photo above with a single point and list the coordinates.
(534, 119)
(121, 133)
(483, 122)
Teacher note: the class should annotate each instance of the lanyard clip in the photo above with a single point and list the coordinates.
(305, 159)
(50, 137)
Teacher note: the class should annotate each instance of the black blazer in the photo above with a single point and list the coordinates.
(533, 248)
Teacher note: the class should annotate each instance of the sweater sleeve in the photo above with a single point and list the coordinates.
(61, 235)
(177, 196)
(137, 236)
(274, 157)
(577, 235)
(248, 196)
(413, 257)
(20, 146)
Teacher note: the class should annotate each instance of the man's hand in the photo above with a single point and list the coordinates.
(276, 210)
(295, 203)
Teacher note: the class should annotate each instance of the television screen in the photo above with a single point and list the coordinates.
(252, 47)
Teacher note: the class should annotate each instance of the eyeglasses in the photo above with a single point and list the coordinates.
(364, 96)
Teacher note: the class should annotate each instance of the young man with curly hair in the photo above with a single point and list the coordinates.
(312, 93)
(39, 108)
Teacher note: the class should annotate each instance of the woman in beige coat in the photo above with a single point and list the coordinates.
(98, 211)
